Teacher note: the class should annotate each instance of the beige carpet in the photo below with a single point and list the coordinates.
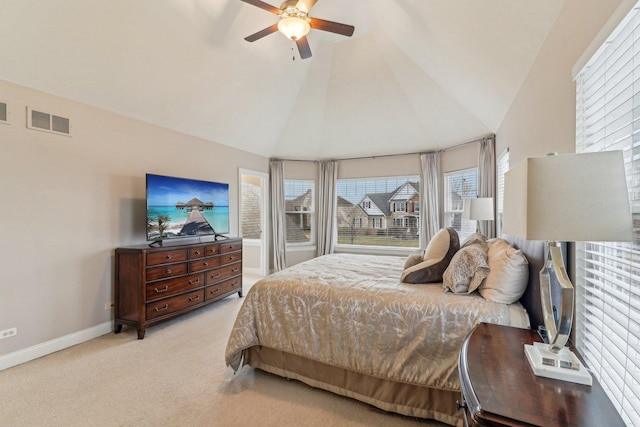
(175, 376)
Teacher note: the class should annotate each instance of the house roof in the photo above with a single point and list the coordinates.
(416, 75)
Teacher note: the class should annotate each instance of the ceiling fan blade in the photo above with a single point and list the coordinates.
(332, 27)
(262, 33)
(305, 5)
(265, 6)
(303, 48)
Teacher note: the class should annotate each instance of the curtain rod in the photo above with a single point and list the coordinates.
(453, 147)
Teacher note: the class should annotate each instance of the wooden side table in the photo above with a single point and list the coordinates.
(500, 389)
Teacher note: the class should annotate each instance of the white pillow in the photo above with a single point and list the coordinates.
(508, 273)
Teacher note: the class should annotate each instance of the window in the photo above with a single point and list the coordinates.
(502, 166)
(458, 186)
(608, 274)
(299, 207)
(378, 211)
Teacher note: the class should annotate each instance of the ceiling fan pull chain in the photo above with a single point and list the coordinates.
(293, 52)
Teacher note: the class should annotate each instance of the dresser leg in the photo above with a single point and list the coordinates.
(118, 329)
(239, 294)
(141, 333)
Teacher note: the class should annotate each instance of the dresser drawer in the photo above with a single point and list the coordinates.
(222, 273)
(212, 249)
(214, 291)
(170, 287)
(204, 264)
(166, 271)
(228, 258)
(170, 305)
(199, 252)
(230, 247)
(165, 257)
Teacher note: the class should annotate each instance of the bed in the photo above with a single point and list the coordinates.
(347, 324)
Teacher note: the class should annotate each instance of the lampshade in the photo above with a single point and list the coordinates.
(572, 197)
(480, 209)
(294, 27)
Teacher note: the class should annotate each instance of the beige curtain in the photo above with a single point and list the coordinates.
(429, 195)
(326, 210)
(278, 215)
(487, 179)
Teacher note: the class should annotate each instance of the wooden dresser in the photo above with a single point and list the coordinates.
(153, 284)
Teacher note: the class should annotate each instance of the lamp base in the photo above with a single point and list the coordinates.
(563, 365)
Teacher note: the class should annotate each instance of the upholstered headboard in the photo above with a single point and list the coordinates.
(534, 251)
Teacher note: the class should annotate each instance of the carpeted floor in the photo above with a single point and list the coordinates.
(176, 376)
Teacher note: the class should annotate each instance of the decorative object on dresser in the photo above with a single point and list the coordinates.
(153, 284)
(499, 389)
(571, 197)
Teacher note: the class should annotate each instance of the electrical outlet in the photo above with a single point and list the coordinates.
(8, 333)
(109, 305)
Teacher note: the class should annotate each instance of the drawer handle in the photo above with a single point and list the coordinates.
(166, 288)
(234, 284)
(197, 252)
(213, 276)
(196, 298)
(235, 270)
(168, 257)
(212, 250)
(206, 264)
(215, 291)
(231, 247)
(168, 271)
(161, 309)
(193, 282)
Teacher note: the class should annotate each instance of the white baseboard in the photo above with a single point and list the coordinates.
(57, 344)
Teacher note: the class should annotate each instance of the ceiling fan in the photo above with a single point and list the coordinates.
(295, 23)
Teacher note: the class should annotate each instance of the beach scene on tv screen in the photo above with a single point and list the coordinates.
(180, 207)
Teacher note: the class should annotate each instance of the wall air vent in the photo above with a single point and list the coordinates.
(4, 113)
(48, 122)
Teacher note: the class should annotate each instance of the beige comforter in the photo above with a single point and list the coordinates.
(352, 311)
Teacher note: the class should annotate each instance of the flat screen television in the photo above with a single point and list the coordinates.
(182, 207)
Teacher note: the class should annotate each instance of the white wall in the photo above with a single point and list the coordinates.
(67, 202)
(542, 118)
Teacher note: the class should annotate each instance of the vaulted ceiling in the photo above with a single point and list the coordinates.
(417, 75)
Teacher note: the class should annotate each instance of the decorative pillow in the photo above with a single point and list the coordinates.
(475, 238)
(436, 258)
(414, 258)
(467, 270)
(508, 273)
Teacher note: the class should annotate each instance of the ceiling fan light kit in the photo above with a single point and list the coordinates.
(294, 27)
(295, 23)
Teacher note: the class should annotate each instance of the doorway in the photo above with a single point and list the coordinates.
(253, 221)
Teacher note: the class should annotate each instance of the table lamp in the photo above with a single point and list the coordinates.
(572, 197)
(478, 209)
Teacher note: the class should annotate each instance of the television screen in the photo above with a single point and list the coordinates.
(181, 207)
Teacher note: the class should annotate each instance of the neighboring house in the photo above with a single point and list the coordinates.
(404, 205)
(399, 209)
(377, 208)
(298, 218)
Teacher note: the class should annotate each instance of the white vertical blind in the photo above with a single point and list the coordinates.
(608, 274)
(502, 166)
(459, 185)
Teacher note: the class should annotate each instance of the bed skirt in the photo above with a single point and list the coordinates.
(407, 399)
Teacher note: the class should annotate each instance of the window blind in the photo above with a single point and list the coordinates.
(379, 211)
(458, 186)
(299, 208)
(502, 167)
(608, 274)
